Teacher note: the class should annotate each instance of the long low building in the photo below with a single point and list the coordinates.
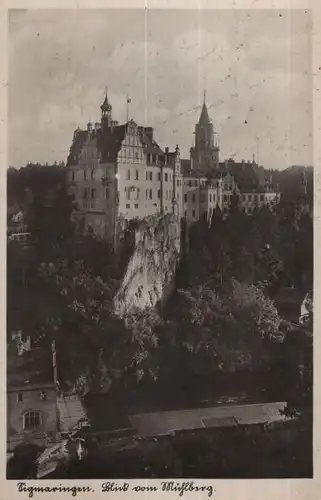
(167, 422)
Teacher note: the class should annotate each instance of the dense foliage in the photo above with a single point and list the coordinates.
(221, 320)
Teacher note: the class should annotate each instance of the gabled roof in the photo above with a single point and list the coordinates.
(150, 146)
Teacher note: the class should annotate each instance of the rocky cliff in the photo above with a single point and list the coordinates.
(150, 273)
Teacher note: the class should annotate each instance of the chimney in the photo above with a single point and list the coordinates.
(166, 150)
(149, 131)
(89, 126)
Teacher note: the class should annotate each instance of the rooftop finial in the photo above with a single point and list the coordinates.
(204, 95)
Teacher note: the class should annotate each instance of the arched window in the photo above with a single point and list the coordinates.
(31, 420)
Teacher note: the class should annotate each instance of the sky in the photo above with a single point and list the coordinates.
(254, 65)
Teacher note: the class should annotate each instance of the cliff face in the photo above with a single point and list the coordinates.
(151, 270)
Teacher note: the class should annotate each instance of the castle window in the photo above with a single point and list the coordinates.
(150, 176)
(166, 177)
(31, 420)
(136, 156)
(146, 194)
(185, 198)
(128, 175)
(255, 197)
(225, 197)
(127, 205)
(193, 214)
(93, 193)
(190, 183)
(150, 194)
(158, 176)
(137, 175)
(136, 205)
(137, 193)
(193, 198)
(19, 397)
(107, 193)
(127, 193)
(177, 182)
(250, 197)
(262, 197)
(158, 194)
(92, 175)
(72, 175)
(195, 183)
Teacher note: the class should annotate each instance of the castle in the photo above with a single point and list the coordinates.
(118, 173)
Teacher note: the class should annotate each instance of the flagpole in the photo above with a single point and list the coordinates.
(127, 108)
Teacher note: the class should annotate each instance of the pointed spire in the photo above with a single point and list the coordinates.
(204, 118)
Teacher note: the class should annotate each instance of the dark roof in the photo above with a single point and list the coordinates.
(186, 166)
(150, 146)
(194, 173)
(34, 367)
(204, 118)
(79, 139)
(250, 188)
(109, 142)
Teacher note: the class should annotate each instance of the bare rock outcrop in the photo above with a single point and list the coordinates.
(151, 270)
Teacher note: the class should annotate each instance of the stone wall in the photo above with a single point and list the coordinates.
(150, 274)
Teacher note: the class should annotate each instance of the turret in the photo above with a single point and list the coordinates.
(106, 109)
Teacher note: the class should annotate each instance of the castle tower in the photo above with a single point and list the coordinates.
(106, 109)
(205, 154)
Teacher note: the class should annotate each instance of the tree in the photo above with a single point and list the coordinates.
(227, 332)
(104, 348)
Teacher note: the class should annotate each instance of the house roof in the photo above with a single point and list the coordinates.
(109, 142)
(249, 188)
(150, 146)
(79, 139)
(33, 367)
(160, 423)
(186, 166)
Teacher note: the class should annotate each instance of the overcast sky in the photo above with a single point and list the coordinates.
(254, 65)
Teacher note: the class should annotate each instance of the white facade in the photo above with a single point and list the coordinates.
(135, 185)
